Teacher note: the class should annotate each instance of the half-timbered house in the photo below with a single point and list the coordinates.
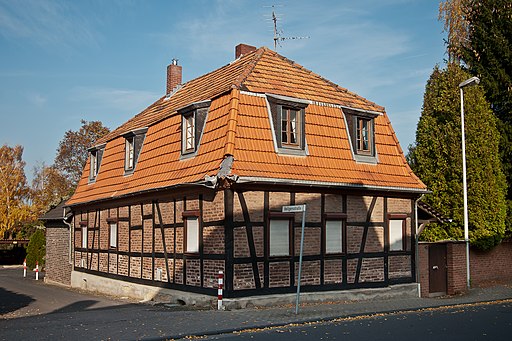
(196, 183)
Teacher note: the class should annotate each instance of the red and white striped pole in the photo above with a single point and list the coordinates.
(219, 290)
(25, 268)
(37, 271)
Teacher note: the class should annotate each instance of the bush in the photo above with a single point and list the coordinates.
(36, 250)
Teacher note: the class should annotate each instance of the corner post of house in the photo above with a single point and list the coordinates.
(228, 241)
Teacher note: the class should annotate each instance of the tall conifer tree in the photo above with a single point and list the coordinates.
(437, 159)
(488, 55)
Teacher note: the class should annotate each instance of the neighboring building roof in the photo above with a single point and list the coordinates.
(238, 126)
(427, 214)
(54, 213)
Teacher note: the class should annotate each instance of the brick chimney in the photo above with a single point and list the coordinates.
(173, 76)
(243, 49)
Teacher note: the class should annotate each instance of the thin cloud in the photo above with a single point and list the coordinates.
(46, 23)
(37, 99)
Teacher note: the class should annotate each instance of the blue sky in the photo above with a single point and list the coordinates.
(63, 61)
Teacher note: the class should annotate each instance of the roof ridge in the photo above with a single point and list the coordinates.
(257, 54)
(232, 122)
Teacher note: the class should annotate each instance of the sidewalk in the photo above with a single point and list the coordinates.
(211, 322)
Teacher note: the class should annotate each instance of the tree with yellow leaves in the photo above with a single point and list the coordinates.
(14, 191)
(454, 15)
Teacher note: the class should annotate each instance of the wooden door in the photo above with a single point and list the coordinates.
(437, 269)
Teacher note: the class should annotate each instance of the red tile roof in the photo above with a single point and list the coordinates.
(238, 125)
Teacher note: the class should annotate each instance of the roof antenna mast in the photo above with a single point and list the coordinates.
(277, 33)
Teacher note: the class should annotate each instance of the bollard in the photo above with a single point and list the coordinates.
(25, 268)
(219, 291)
(37, 271)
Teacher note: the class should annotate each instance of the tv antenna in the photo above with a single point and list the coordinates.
(278, 38)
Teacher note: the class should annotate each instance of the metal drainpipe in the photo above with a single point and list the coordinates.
(70, 258)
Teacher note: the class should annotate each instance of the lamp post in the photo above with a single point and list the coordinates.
(467, 82)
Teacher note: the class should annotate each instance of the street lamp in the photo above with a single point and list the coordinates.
(467, 82)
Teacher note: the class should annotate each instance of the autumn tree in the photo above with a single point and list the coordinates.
(49, 187)
(453, 14)
(72, 152)
(437, 159)
(14, 191)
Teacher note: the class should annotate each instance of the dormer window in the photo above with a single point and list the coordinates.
(288, 122)
(193, 118)
(130, 150)
(95, 156)
(133, 145)
(361, 130)
(94, 165)
(189, 131)
(364, 132)
(290, 127)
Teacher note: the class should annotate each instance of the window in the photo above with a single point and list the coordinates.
(279, 237)
(288, 123)
(133, 146)
(334, 236)
(95, 155)
(84, 236)
(189, 136)
(363, 140)
(94, 165)
(113, 234)
(193, 119)
(360, 129)
(396, 234)
(191, 232)
(129, 153)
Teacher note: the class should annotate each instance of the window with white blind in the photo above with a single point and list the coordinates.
(334, 236)
(279, 237)
(191, 234)
(113, 234)
(84, 237)
(396, 234)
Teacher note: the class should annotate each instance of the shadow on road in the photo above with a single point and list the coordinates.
(75, 307)
(11, 301)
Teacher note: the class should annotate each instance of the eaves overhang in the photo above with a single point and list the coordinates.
(203, 183)
(333, 185)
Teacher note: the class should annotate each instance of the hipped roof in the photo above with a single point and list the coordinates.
(238, 125)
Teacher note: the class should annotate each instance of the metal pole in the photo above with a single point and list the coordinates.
(300, 259)
(464, 185)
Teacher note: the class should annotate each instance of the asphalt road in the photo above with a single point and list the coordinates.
(473, 322)
(35, 310)
(22, 297)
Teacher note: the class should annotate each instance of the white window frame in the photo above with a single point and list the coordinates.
(112, 234)
(291, 127)
(188, 138)
(129, 153)
(94, 165)
(396, 230)
(334, 235)
(279, 237)
(191, 234)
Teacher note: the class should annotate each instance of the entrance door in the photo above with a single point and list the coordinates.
(437, 269)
